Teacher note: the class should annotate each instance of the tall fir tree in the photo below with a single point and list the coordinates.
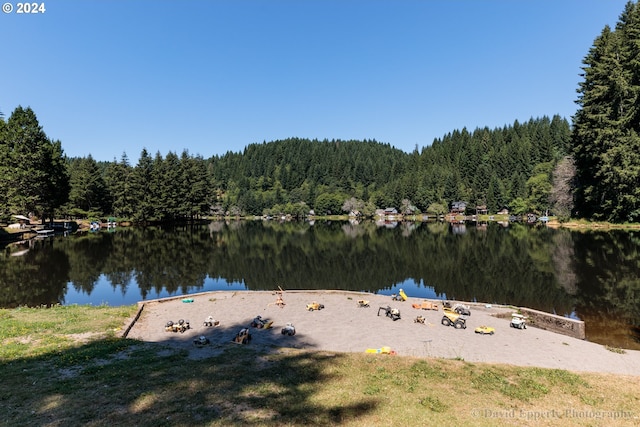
(118, 183)
(34, 176)
(605, 139)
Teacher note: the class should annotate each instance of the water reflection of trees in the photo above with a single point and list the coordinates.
(38, 277)
(608, 273)
(552, 270)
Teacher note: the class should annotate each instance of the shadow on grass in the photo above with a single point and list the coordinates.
(128, 382)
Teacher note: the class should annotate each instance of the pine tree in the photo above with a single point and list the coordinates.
(118, 182)
(87, 187)
(605, 138)
(145, 201)
(34, 174)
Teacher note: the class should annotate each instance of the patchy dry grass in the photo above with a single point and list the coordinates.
(35, 331)
(85, 375)
(615, 349)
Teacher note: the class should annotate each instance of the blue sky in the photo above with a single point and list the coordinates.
(114, 77)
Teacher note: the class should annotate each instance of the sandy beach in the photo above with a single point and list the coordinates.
(343, 326)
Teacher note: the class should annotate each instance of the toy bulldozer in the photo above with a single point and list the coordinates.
(242, 337)
(392, 313)
(260, 323)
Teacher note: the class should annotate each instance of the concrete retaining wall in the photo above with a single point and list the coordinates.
(551, 322)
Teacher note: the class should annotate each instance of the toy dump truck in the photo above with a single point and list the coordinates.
(451, 318)
(401, 296)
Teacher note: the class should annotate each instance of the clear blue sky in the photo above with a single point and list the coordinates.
(107, 77)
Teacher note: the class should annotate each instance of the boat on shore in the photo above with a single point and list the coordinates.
(45, 232)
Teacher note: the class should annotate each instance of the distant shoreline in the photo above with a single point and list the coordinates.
(11, 235)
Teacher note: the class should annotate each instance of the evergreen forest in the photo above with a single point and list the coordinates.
(589, 168)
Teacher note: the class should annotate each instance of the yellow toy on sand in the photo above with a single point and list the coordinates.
(400, 297)
(260, 323)
(315, 306)
(381, 350)
(485, 330)
(426, 305)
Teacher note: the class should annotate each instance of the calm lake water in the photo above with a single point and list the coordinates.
(592, 276)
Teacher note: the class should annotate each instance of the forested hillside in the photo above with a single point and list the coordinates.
(508, 167)
(501, 167)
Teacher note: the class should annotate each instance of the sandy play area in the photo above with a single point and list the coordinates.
(343, 326)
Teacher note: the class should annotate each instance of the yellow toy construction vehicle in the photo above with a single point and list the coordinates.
(315, 306)
(260, 323)
(451, 318)
(181, 326)
(242, 337)
(485, 330)
(401, 296)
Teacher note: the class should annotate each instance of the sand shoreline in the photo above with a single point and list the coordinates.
(343, 326)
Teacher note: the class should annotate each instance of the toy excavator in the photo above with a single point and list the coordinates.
(392, 313)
